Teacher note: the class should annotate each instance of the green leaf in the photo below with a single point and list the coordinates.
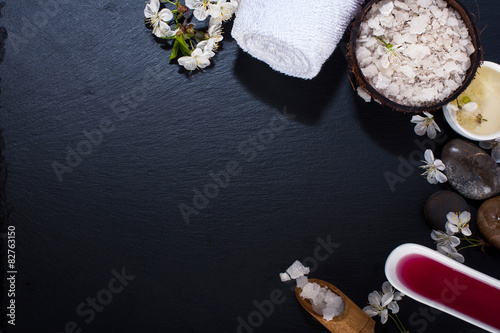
(175, 50)
(183, 45)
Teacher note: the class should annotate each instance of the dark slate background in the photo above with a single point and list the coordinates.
(319, 175)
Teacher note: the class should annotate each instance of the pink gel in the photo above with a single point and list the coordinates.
(444, 285)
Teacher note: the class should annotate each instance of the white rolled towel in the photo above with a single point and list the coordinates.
(294, 37)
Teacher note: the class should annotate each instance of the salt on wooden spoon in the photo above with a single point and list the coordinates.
(352, 320)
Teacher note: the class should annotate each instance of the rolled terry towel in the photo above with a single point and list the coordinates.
(294, 37)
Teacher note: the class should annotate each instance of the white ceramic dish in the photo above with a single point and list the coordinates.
(405, 250)
(459, 129)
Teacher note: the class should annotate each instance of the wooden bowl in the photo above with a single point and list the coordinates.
(475, 58)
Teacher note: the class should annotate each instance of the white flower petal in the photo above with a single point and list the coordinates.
(464, 217)
(193, 4)
(374, 298)
(152, 8)
(436, 126)
(420, 129)
(495, 154)
(386, 287)
(452, 108)
(486, 144)
(431, 132)
(470, 107)
(369, 310)
(458, 257)
(166, 15)
(384, 316)
(441, 177)
(429, 156)
(161, 29)
(200, 13)
(394, 307)
(451, 227)
(466, 231)
(387, 298)
(417, 119)
(439, 164)
(187, 62)
(454, 241)
(431, 178)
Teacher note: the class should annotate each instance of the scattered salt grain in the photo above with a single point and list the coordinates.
(432, 41)
(284, 277)
(297, 270)
(364, 95)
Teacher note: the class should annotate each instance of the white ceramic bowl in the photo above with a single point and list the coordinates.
(462, 131)
(402, 251)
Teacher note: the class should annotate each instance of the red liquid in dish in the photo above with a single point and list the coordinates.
(446, 286)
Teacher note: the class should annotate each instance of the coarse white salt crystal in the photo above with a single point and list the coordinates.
(450, 66)
(284, 277)
(366, 61)
(417, 51)
(310, 291)
(419, 24)
(436, 11)
(441, 3)
(374, 23)
(408, 71)
(401, 5)
(393, 89)
(370, 71)
(363, 53)
(297, 270)
(452, 22)
(424, 3)
(382, 81)
(386, 9)
(323, 300)
(428, 94)
(364, 95)
(301, 281)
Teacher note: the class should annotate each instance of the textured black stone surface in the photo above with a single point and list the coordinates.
(319, 173)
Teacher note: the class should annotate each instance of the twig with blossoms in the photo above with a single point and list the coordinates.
(193, 48)
(381, 302)
(447, 242)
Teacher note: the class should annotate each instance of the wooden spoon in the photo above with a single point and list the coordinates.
(352, 320)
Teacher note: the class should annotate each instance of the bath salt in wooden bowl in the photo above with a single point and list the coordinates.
(414, 55)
